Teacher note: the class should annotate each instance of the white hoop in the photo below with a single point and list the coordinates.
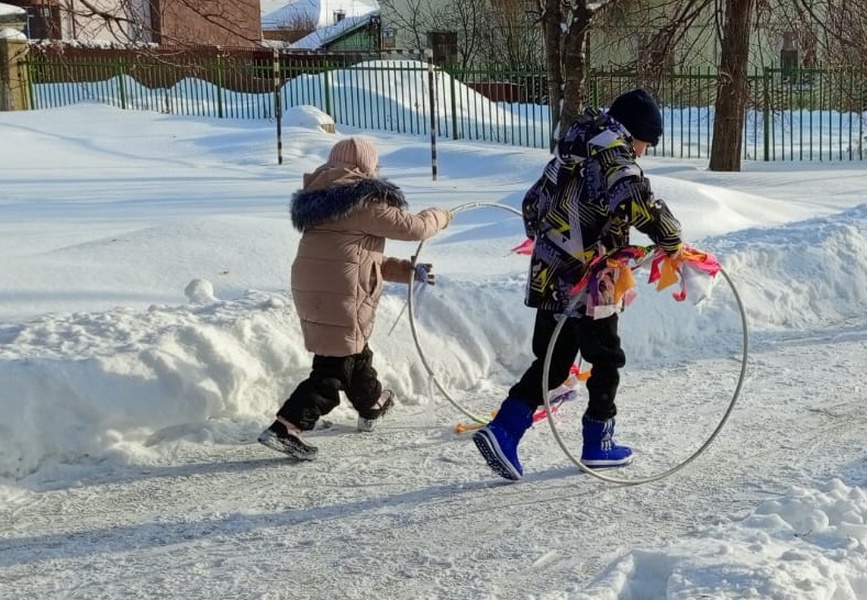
(547, 364)
(694, 455)
(409, 302)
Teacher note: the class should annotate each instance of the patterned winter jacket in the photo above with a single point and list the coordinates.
(339, 269)
(588, 197)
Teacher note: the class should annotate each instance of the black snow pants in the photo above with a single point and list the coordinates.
(319, 394)
(599, 344)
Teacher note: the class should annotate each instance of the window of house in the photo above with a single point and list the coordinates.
(339, 15)
(43, 22)
(444, 46)
(789, 56)
(389, 37)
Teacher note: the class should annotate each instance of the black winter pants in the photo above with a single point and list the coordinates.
(319, 394)
(599, 344)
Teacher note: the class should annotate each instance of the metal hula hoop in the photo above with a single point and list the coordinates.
(697, 453)
(411, 313)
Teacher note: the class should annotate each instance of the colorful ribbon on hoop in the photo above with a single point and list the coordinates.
(664, 270)
(568, 390)
(667, 271)
(619, 258)
(525, 247)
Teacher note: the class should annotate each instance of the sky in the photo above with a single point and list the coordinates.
(147, 336)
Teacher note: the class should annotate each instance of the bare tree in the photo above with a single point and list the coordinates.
(513, 38)
(413, 19)
(846, 28)
(732, 86)
(470, 20)
(833, 32)
(494, 34)
(672, 33)
(292, 28)
(658, 54)
(661, 35)
(565, 26)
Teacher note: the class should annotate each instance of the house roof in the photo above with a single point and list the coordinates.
(7, 33)
(276, 14)
(325, 35)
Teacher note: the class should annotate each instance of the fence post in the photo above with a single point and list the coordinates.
(594, 88)
(433, 112)
(14, 80)
(219, 82)
(121, 83)
(766, 111)
(326, 82)
(454, 108)
(278, 105)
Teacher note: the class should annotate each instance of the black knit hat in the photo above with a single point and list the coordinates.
(638, 112)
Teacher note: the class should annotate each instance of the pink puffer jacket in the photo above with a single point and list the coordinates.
(339, 270)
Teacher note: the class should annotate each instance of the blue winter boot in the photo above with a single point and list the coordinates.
(498, 440)
(599, 448)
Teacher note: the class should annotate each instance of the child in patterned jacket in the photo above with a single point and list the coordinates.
(584, 204)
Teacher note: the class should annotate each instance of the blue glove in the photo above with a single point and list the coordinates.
(423, 273)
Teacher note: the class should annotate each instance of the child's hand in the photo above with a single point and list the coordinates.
(423, 272)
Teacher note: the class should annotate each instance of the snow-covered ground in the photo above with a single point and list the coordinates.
(147, 335)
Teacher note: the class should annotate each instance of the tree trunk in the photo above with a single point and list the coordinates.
(565, 35)
(552, 19)
(732, 87)
(575, 64)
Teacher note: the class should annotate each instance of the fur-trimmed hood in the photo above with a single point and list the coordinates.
(311, 207)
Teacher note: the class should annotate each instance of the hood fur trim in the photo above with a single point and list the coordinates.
(315, 207)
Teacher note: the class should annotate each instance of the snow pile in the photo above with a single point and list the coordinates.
(116, 383)
(147, 334)
(807, 544)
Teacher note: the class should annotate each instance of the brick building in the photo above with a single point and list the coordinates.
(164, 22)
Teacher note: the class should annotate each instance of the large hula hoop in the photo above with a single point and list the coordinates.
(547, 365)
(697, 453)
(411, 313)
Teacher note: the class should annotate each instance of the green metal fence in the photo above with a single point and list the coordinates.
(808, 114)
(812, 114)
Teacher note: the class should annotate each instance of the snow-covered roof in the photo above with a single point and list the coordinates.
(8, 9)
(277, 14)
(7, 33)
(324, 35)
